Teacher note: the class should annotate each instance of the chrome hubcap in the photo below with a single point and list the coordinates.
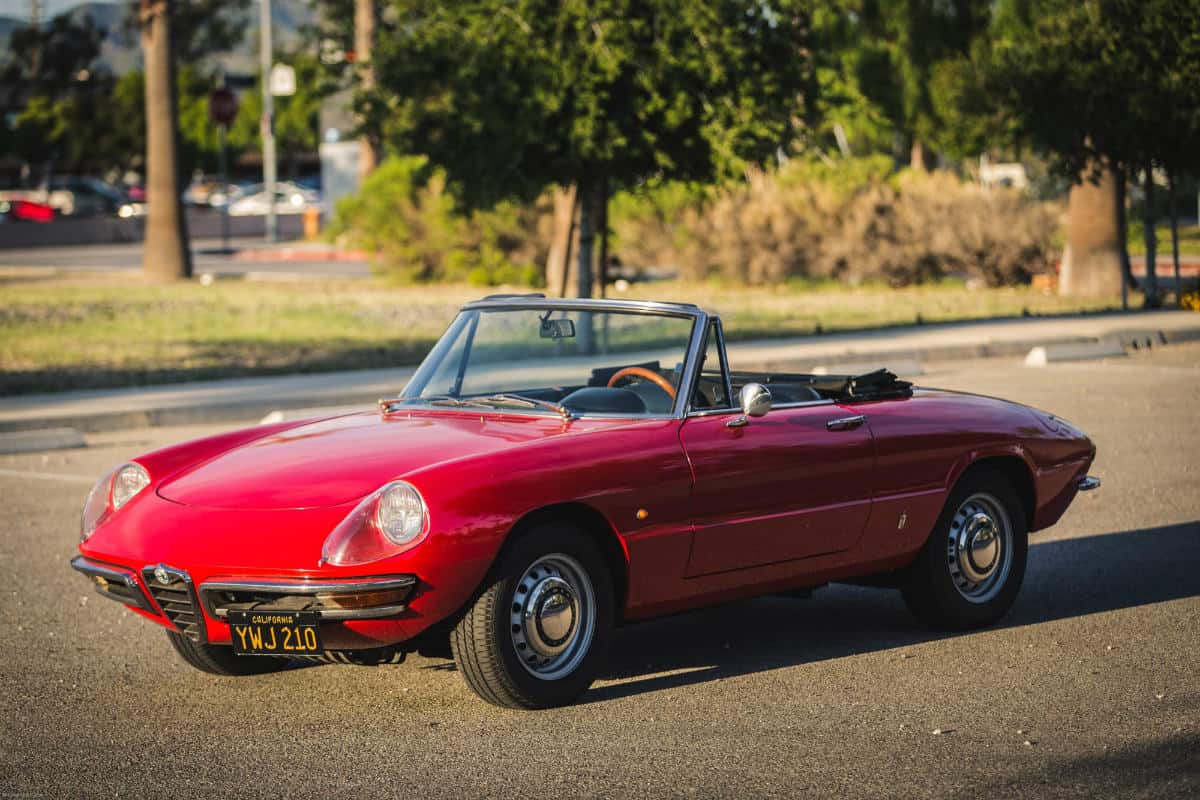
(552, 616)
(979, 548)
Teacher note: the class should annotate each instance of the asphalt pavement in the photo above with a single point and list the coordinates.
(1089, 688)
(244, 256)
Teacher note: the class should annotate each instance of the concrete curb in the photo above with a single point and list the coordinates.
(1050, 354)
(31, 441)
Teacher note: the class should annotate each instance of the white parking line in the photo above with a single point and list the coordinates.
(65, 477)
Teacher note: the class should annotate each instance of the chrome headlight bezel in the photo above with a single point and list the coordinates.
(392, 519)
(110, 494)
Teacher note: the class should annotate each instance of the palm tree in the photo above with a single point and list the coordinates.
(166, 256)
(364, 44)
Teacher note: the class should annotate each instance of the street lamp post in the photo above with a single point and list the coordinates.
(268, 119)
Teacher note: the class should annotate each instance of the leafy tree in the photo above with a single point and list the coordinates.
(53, 70)
(1103, 86)
(510, 97)
(908, 50)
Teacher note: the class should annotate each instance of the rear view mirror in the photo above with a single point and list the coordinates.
(557, 329)
(756, 402)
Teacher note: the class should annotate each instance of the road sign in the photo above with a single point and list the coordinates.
(283, 80)
(222, 106)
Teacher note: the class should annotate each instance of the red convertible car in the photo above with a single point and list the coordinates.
(556, 468)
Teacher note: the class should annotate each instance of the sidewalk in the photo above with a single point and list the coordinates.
(249, 399)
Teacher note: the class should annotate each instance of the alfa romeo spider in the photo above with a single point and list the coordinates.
(557, 468)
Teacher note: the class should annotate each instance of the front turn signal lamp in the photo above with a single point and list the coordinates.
(109, 494)
(387, 522)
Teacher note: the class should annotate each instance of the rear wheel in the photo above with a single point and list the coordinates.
(538, 633)
(971, 568)
(221, 660)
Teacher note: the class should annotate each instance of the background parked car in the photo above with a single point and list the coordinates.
(289, 199)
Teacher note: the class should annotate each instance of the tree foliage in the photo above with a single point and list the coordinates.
(509, 97)
(1110, 81)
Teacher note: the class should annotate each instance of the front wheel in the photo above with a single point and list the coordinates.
(218, 659)
(537, 635)
(971, 568)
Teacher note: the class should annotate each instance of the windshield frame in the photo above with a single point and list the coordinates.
(692, 355)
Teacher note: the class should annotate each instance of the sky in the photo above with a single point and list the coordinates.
(20, 8)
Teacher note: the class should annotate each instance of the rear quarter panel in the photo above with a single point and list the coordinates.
(925, 443)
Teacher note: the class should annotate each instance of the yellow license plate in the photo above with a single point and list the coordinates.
(274, 633)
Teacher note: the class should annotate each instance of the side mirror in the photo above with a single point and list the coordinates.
(756, 402)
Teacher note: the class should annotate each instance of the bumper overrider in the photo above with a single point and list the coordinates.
(169, 594)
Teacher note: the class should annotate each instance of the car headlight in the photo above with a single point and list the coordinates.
(387, 522)
(109, 494)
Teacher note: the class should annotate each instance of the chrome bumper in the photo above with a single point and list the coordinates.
(1087, 483)
(331, 600)
(115, 583)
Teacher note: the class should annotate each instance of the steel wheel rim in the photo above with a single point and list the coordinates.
(979, 548)
(552, 617)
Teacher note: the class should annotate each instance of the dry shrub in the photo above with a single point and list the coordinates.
(924, 227)
(800, 224)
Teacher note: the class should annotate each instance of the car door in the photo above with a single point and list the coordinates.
(792, 484)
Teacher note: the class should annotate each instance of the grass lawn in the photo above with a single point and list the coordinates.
(98, 332)
(1189, 239)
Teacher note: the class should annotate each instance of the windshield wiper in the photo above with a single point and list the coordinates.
(388, 404)
(491, 401)
(528, 402)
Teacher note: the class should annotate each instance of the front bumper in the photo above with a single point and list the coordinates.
(369, 598)
(169, 596)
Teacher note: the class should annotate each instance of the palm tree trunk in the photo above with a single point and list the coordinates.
(166, 255)
(364, 44)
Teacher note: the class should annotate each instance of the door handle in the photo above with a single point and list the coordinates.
(845, 423)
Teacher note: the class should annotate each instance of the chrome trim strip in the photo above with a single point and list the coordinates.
(691, 365)
(1087, 483)
(725, 364)
(310, 587)
(587, 304)
(712, 412)
(127, 578)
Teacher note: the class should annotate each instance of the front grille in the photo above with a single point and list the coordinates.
(177, 599)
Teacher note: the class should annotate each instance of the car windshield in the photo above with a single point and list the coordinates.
(567, 361)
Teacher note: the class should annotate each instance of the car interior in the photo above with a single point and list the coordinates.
(648, 388)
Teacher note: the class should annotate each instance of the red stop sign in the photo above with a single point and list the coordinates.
(222, 106)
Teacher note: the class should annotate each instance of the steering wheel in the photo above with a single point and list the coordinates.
(642, 372)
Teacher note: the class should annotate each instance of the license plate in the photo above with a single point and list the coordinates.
(274, 633)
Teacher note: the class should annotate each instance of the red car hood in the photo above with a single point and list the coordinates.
(336, 461)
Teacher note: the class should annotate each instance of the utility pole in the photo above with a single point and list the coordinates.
(266, 56)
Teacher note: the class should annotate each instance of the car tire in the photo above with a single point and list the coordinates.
(538, 633)
(218, 659)
(971, 567)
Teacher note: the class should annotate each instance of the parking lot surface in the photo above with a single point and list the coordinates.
(1090, 687)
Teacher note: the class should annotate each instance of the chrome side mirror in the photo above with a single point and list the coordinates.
(756, 402)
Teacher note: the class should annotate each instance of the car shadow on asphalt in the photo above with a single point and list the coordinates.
(1065, 578)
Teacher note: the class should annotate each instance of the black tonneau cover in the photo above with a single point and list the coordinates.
(882, 384)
